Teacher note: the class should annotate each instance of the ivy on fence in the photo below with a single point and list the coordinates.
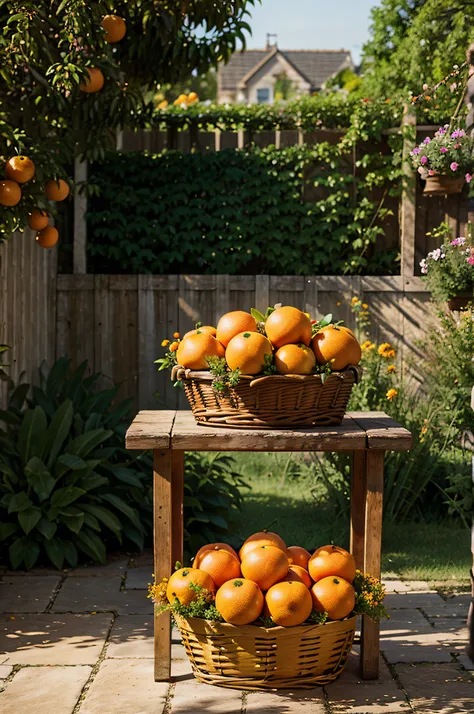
(299, 210)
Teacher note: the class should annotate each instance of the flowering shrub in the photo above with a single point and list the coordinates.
(449, 153)
(449, 270)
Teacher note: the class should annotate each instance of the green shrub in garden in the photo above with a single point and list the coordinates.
(241, 211)
(68, 487)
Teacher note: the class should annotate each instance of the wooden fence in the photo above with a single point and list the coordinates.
(118, 322)
(27, 306)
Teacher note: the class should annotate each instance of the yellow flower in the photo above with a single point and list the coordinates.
(338, 303)
(367, 345)
(174, 346)
(391, 394)
(386, 350)
(391, 368)
(165, 343)
(365, 306)
(355, 300)
(176, 335)
(163, 104)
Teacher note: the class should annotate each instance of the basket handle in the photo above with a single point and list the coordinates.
(178, 373)
(287, 377)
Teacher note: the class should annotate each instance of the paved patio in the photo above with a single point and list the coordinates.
(80, 642)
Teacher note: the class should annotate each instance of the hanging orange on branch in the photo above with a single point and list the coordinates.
(56, 190)
(115, 28)
(48, 237)
(37, 220)
(10, 193)
(20, 169)
(94, 82)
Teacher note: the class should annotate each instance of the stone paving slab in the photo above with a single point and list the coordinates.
(310, 701)
(138, 578)
(131, 636)
(5, 671)
(400, 621)
(451, 629)
(44, 690)
(101, 594)
(413, 600)
(437, 689)
(456, 606)
(403, 586)
(142, 559)
(351, 694)
(466, 661)
(30, 593)
(53, 639)
(125, 686)
(192, 697)
(114, 566)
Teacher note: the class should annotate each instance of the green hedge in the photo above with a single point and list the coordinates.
(298, 210)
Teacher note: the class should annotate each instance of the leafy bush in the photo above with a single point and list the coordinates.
(241, 211)
(211, 492)
(449, 269)
(68, 487)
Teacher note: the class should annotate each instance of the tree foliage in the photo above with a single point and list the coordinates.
(46, 47)
(415, 43)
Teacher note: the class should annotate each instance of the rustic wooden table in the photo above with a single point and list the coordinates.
(366, 435)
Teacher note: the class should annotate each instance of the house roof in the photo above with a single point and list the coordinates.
(316, 66)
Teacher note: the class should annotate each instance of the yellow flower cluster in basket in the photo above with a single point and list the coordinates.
(268, 584)
(284, 340)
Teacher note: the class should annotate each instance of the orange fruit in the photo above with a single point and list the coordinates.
(94, 82)
(20, 169)
(10, 193)
(246, 351)
(37, 220)
(115, 28)
(192, 97)
(56, 190)
(298, 556)
(182, 99)
(261, 538)
(333, 595)
(221, 565)
(212, 546)
(288, 325)
(48, 237)
(205, 328)
(179, 584)
(297, 574)
(295, 359)
(239, 601)
(193, 351)
(288, 603)
(332, 560)
(232, 323)
(265, 565)
(338, 344)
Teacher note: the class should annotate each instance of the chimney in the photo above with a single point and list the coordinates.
(269, 45)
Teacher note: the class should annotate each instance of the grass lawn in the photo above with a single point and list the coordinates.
(299, 511)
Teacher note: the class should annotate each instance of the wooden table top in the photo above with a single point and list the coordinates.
(179, 430)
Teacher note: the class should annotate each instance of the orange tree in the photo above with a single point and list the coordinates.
(67, 82)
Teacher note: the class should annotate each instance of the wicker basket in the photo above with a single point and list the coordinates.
(251, 657)
(276, 401)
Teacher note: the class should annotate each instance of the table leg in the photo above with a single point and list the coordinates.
(177, 488)
(370, 636)
(358, 498)
(162, 549)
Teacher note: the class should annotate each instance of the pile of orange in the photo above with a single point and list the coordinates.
(285, 339)
(265, 578)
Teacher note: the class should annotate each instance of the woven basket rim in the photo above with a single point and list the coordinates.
(227, 627)
(180, 373)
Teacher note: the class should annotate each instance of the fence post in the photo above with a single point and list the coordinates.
(408, 203)
(80, 225)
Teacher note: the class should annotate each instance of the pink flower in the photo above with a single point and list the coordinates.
(415, 151)
(457, 146)
(471, 260)
(431, 172)
(424, 160)
(427, 140)
(468, 178)
(454, 166)
(443, 150)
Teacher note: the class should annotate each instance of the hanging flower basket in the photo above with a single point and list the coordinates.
(440, 185)
(461, 301)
